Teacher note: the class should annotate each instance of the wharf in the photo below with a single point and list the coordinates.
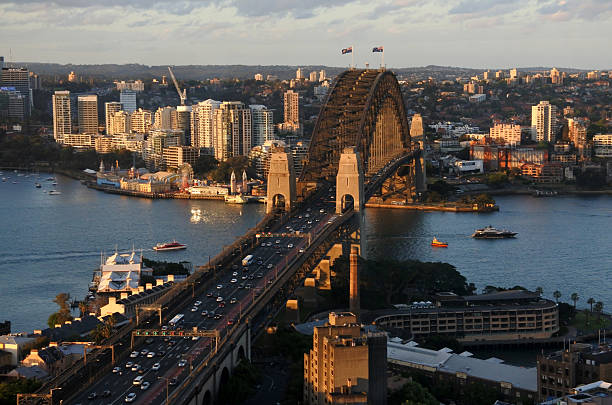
(448, 207)
(141, 194)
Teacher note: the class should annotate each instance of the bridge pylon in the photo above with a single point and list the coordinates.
(281, 181)
(349, 181)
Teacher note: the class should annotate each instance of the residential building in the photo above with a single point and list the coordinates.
(602, 145)
(548, 172)
(416, 127)
(109, 109)
(299, 152)
(153, 149)
(507, 133)
(509, 316)
(555, 76)
(128, 100)
(62, 120)
(119, 123)
(514, 74)
(141, 121)
(176, 156)
(15, 345)
(259, 157)
(88, 114)
(72, 77)
(544, 120)
(299, 75)
(136, 85)
(202, 125)
(103, 144)
(292, 109)
(232, 130)
(313, 76)
(580, 363)
(596, 393)
(181, 120)
(346, 364)
(12, 104)
(79, 141)
(322, 76)
(263, 124)
(19, 78)
(163, 117)
(477, 98)
(258, 77)
(146, 295)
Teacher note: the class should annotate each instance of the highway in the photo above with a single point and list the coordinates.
(218, 308)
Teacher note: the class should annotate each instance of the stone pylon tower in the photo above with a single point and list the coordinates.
(354, 305)
(349, 181)
(233, 183)
(244, 183)
(281, 181)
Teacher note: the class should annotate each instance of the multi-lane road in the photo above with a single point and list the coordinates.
(173, 358)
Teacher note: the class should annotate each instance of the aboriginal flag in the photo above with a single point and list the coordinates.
(347, 50)
(377, 49)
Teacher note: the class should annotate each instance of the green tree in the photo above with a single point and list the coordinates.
(590, 301)
(539, 290)
(557, 295)
(413, 393)
(574, 297)
(205, 164)
(63, 315)
(10, 388)
(599, 309)
(497, 180)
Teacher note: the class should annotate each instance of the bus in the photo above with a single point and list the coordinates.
(175, 321)
(247, 261)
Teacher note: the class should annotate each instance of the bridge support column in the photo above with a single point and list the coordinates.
(349, 181)
(281, 181)
(420, 172)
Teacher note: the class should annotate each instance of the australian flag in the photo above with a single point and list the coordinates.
(377, 49)
(347, 50)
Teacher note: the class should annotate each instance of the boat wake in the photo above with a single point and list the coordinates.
(6, 259)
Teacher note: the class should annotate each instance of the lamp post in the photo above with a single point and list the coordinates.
(167, 387)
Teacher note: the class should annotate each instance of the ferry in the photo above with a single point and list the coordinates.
(169, 246)
(491, 233)
(438, 243)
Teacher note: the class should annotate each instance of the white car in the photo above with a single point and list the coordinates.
(290, 245)
(197, 303)
(151, 355)
(270, 265)
(136, 367)
(145, 385)
(129, 364)
(134, 355)
(235, 273)
(182, 363)
(219, 299)
(301, 250)
(155, 366)
(131, 397)
(116, 369)
(194, 309)
(233, 280)
(219, 286)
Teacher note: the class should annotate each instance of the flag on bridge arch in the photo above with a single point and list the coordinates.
(378, 49)
(347, 50)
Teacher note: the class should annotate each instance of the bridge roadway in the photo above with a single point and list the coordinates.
(270, 258)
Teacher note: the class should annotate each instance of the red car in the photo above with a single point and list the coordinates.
(222, 304)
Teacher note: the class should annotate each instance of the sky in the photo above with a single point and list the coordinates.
(466, 33)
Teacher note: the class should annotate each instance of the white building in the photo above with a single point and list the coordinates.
(232, 130)
(128, 100)
(510, 133)
(202, 125)
(141, 121)
(121, 273)
(602, 145)
(119, 123)
(163, 117)
(109, 109)
(258, 77)
(88, 114)
(62, 120)
(544, 120)
(263, 124)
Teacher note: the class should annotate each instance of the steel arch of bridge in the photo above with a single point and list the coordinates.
(364, 108)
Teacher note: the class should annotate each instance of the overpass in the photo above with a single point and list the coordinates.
(361, 140)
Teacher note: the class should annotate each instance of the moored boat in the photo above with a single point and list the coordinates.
(37, 185)
(235, 199)
(174, 245)
(438, 243)
(489, 232)
(55, 192)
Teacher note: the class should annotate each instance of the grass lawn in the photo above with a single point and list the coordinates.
(580, 322)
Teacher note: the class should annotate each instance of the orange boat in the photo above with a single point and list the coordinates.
(437, 243)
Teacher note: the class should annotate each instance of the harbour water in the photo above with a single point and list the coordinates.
(52, 243)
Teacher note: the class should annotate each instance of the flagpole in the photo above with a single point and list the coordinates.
(383, 58)
(352, 57)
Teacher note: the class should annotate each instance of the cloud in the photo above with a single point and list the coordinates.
(557, 10)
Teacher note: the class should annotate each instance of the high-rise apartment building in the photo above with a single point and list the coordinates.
(346, 364)
(163, 117)
(322, 76)
(486, 75)
(232, 130)
(141, 121)
(88, 114)
(258, 77)
(299, 75)
(19, 78)
(292, 108)
(555, 76)
(128, 100)
(416, 127)
(158, 141)
(62, 119)
(263, 124)
(514, 74)
(119, 123)
(577, 129)
(181, 119)
(544, 120)
(202, 125)
(72, 77)
(109, 109)
(313, 76)
(509, 133)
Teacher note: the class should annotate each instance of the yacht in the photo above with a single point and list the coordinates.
(55, 192)
(37, 185)
(174, 245)
(491, 233)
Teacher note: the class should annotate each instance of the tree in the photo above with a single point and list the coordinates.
(557, 295)
(413, 393)
(590, 301)
(63, 315)
(205, 164)
(574, 297)
(599, 309)
(539, 290)
(83, 308)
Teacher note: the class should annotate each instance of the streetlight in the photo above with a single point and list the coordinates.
(167, 386)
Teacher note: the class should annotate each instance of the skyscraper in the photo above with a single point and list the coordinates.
(322, 76)
(163, 117)
(232, 130)
(141, 121)
(555, 76)
(292, 108)
(313, 76)
(299, 75)
(544, 120)
(62, 120)
(128, 100)
(19, 78)
(88, 114)
(202, 127)
(416, 126)
(182, 121)
(109, 109)
(263, 124)
(119, 123)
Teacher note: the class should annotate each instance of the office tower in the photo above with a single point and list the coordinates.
(313, 76)
(19, 78)
(298, 74)
(346, 365)
(416, 127)
(141, 121)
(258, 77)
(11, 104)
(128, 100)
(263, 124)
(119, 123)
(88, 114)
(514, 74)
(232, 130)
(508, 133)
(35, 81)
(62, 120)
(163, 117)
(292, 108)
(202, 127)
(109, 109)
(322, 76)
(544, 120)
(182, 120)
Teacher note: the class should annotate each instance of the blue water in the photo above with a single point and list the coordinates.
(52, 243)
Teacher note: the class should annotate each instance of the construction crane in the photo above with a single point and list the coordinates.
(182, 94)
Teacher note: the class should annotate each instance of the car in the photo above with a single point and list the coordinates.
(259, 261)
(270, 281)
(106, 394)
(173, 381)
(182, 363)
(230, 322)
(171, 343)
(241, 285)
(144, 352)
(233, 300)
(142, 370)
(248, 286)
(302, 250)
(233, 280)
(307, 216)
(195, 338)
(161, 353)
(278, 252)
(116, 369)
(129, 364)
(92, 395)
(244, 277)
(138, 380)
(290, 246)
(204, 313)
(219, 299)
(134, 354)
(197, 303)
(211, 314)
(145, 385)
(210, 294)
(251, 277)
(131, 397)
(135, 367)
(219, 286)
(277, 241)
(259, 275)
(218, 316)
(269, 266)
(235, 266)
(310, 222)
(155, 366)
(235, 273)
(322, 211)
(222, 304)
(194, 309)
(151, 355)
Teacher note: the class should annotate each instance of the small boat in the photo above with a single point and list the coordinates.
(54, 183)
(174, 245)
(37, 185)
(235, 199)
(489, 232)
(438, 243)
(55, 192)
